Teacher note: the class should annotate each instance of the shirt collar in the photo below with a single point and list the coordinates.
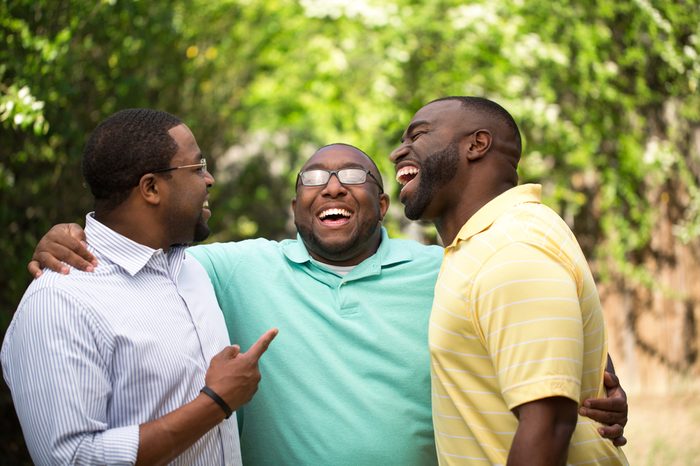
(387, 254)
(484, 217)
(124, 252)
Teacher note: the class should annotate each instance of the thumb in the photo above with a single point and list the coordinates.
(229, 352)
(610, 380)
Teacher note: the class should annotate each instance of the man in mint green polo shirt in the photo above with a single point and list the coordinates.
(348, 382)
(349, 385)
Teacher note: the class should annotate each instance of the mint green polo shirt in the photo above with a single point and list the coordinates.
(347, 380)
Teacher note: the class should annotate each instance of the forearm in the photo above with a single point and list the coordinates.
(544, 432)
(162, 440)
(232, 376)
(539, 448)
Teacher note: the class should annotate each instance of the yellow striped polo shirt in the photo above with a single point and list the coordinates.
(516, 318)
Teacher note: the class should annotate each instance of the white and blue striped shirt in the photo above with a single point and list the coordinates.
(90, 356)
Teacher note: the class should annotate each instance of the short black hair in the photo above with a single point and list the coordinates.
(492, 110)
(123, 148)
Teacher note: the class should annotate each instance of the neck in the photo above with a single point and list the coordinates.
(451, 222)
(128, 223)
(352, 256)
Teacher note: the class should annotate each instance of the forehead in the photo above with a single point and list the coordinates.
(448, 112)
(187, 148)
(335, 157)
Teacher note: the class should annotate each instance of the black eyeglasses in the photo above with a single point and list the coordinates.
(318, 177)
(202, 166)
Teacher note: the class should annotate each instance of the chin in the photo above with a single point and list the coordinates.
(333, 248)
(201, 232)
(412, 213)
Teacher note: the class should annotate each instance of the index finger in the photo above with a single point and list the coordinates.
(260, 346)
(72, 251)
(611, 404)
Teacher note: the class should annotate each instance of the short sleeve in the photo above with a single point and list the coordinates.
(529, 317)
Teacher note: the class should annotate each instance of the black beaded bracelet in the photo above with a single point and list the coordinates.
(218, 400)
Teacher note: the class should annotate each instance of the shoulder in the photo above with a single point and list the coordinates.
(72, 286)
(232, 250)
(535, 222)
(54, 302)
(419, 250)
(428, 249)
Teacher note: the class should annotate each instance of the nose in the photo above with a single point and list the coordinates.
(334, 187)
(398, 153)
(209, 179)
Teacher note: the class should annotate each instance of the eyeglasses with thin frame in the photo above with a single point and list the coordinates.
(350, 176)
(202, 166)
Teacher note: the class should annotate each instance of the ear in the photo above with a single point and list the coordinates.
(294, 203)
(149, 189)
(383, 205)
(478, 144)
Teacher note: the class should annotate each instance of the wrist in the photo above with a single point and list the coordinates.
(218, 400)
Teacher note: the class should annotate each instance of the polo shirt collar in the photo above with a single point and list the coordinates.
(387, 254)
(124, 252)
(484, 217)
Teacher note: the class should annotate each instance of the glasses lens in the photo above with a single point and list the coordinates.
(321, 177)
(352, 175)
(314, 177)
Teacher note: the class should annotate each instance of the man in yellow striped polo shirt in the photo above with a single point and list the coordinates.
(517, 337)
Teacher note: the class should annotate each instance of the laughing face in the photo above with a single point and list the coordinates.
(427, 160)
(437, 169)
(340, 223)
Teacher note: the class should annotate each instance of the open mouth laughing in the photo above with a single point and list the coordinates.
(205, 209)
(334, 216)
(405, 176)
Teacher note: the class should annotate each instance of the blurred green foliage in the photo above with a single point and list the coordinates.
(606, 94)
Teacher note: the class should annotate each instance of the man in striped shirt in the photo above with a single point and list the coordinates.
(107, 367)
(517, 337)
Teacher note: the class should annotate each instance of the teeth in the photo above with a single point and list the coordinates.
(328, 212)
(206, 204)
(409, 172)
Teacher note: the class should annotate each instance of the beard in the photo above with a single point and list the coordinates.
(349, 247)
(201, 230)
(438, 169)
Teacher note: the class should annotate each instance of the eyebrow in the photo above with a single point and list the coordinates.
(199, 156)
(412, 127)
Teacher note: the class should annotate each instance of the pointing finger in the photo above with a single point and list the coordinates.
(260, 346)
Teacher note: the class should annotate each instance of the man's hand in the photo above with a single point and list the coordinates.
(234, 376)
(64, 242)
(611, 411)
